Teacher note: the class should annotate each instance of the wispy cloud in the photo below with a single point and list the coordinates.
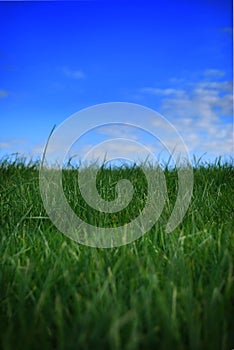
(5, 145)
(13, 145)
(118, 131)
(214, 73)
(163, 92)
(201, 112)
(202, 100)
(227, 30)
(72, 73)
(4, 93)
(119, 149)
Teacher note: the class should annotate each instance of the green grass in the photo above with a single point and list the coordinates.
(163, 291)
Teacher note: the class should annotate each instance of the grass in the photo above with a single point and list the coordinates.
(163, 291)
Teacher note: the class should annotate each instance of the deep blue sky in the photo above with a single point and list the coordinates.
(59, 57)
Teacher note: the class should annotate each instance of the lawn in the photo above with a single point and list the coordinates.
(162, 291)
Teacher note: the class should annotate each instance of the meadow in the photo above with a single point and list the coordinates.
(162, 291)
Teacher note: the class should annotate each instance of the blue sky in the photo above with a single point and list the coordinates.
(58, 57)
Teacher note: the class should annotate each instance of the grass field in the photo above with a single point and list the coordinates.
(163, 291)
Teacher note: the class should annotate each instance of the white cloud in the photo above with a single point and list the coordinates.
(5, 145)
(74, 74)
(203, 100)
(115, 131)
(119, 149)
(163, 92)
(227, 30)
(201, 112)
(217, 73)
(4, 93)
(13, 145)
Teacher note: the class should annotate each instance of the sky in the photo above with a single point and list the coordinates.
(60, 57)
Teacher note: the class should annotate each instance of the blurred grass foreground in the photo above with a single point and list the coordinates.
(163, 291)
